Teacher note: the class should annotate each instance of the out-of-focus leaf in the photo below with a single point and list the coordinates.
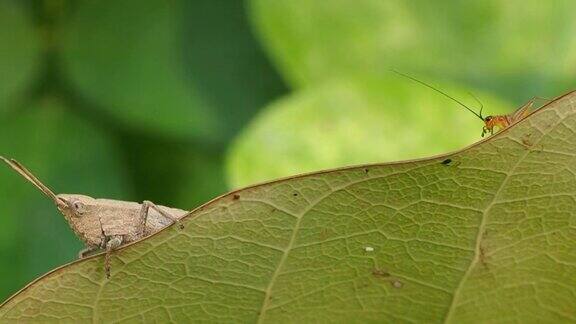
(504, 46)
(192, 174)
(225, 63)
(181, 68)
(352, 122)
(69, 156)
(485, 237)
(127, 57)
(19, 52)
(205, 177)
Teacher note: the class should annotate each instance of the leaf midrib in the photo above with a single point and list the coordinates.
(479, 235)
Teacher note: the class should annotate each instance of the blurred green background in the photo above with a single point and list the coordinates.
(179, 101)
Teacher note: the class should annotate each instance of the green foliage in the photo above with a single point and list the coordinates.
(129, 65)
(506, 47)
(480, 235)
(139, 100)
(19, 51)
(155, 71)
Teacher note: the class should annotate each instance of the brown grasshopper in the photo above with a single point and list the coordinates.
(105, 224)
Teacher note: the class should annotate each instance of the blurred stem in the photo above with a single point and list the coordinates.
(52, 14)
(49, 16)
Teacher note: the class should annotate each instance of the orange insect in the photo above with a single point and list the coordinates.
(500, 121)
(503, 121)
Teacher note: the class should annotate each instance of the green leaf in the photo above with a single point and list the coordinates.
(498, 44)
(195, 176)
(68, 155)
(181, 68)
(19, 53)
(131, 66)
(351, 122)
(481, 235)
(225, 63)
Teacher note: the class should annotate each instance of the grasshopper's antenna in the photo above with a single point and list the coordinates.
(444, 93)
(31, 178)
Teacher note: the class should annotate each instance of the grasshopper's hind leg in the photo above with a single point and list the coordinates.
(146, 205)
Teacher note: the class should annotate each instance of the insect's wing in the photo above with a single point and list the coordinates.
(521, 112)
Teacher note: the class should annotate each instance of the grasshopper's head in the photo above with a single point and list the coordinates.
(75, 206)
(80, 211)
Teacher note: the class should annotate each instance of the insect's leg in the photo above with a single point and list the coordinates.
(143, 215)
(86, 251)
(113, 243)
(163, 213)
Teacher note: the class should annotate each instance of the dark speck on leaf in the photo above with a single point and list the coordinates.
(236, 197)
(446, 162)
(366, 170)
(295, 194)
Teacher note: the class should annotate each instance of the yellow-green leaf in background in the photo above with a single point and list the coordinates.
(354, 121)
(481, 235)
(505, 47)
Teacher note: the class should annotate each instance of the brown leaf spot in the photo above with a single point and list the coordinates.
(526, 140)
(397, 284)
(380, 273)
(482, 249)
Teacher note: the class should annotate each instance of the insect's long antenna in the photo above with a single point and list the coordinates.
(31, 178)
(441, 92)
(478, 101)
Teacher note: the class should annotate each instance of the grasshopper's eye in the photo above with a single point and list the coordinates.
(488, 118)
(79, 207)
